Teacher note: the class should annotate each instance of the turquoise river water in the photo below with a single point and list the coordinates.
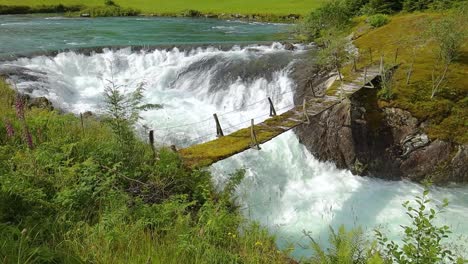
(197, 67)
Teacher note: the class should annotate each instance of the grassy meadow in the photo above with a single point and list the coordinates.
(274, 7)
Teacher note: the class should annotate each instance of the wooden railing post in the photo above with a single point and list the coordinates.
(370, 54)
(304, 108)
(254, 143)
(151, 141)
(272, 107)
(219, 130)
(82, 123)
(410, 72)
(396, 55)
(365, 76)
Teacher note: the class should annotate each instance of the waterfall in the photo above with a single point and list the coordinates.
(286, 188)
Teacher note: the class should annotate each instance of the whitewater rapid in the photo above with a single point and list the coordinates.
(286, 189)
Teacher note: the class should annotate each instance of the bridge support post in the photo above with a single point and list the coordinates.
(151, 141)
(219, 130)
(381, 69)
(254, 143)
(306, 116)
(272, 107)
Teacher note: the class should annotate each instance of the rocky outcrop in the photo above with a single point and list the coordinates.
(386, 143)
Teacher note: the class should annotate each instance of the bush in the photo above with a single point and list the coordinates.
(15, 9)
(378, 20)
(110, 3)
(110, 11)
(422, 240)
(191, 13)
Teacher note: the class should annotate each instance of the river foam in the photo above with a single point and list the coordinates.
(286, 188)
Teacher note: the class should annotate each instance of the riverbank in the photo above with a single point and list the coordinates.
(271, 11)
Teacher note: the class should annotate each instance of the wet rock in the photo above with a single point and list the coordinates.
(289, 46)
(87, 114)
(459, 164)
(413, 142)
(85, 15)
(401, 122)
(423, 163)
(40, 102)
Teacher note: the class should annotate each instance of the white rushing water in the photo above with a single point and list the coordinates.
(286, 189)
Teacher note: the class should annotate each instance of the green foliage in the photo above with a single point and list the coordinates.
(418, 5)
(333, 15)
(345, 247)
(378, 20)
(75, 198)
(110, 3)
(191, 13)
(271, 10)
(450, 34)
(422, 240)
(110, 11)
(23, 9)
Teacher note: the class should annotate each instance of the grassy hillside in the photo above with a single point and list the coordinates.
(446, 114)
(405, 39)
(276, 7)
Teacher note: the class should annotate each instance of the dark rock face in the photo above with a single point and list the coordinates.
(389, 143)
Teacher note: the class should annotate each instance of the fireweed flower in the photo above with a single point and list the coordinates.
(19, 106)
(28, 138)
(9, 129)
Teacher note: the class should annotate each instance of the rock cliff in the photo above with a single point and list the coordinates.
(386, 143)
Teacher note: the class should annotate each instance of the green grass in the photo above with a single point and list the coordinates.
(74, 198)
(274, 7)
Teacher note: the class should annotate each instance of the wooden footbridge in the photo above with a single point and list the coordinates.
(225, 146)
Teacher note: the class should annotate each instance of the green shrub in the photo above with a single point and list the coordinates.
(345, 247)
(191, 13)
(378, 20)
(17, 9)
(110, 11)
(422, 240)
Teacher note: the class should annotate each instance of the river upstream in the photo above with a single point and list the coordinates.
(197, 67)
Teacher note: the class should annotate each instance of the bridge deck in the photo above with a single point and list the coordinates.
(205, 154)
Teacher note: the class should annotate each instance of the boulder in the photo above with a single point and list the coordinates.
(289, 46)
(40, 102)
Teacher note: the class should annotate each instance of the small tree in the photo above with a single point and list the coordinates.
(449, 34)
(110, 3)
(422, 241)
(335, 53)
(124, 108)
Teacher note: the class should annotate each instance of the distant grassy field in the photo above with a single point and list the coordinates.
(276, 7)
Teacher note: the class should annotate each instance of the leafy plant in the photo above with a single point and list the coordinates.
(345, 247)
(378, 20)
(422, 240)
